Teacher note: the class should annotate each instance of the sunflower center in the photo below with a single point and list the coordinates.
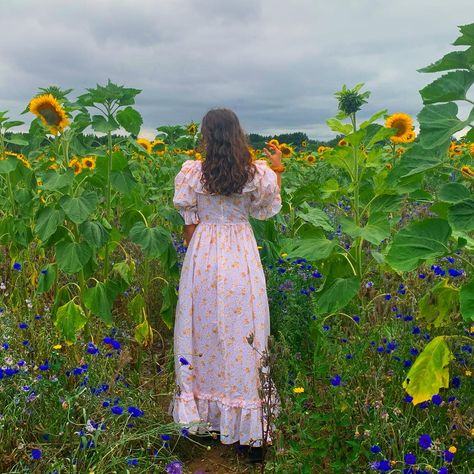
(401, 126)
(50, 114)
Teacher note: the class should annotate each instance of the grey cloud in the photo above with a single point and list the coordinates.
(276, 63)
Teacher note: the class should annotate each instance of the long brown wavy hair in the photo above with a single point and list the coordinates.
(227, 164)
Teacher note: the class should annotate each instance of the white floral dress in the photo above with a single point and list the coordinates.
(222, 300)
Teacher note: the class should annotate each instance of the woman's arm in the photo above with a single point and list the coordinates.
(188, 232)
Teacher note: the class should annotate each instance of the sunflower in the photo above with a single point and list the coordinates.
(342, 142)
(50, 112)
(54, 166)
(76, 164)
(310, 158)
(410, 137)
(19, 156)
(403, 124)
(275, 142)
(192, 128)
(253, 153)
(400, 151)
(146, 144)
(304, 144)
(88, 162)
(471, 149)
(322, 149)
(467, 172)
(158, 147)
(286, 150)
(198, 156)
(389, 166)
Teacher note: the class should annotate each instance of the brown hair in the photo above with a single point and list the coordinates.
(227, 164)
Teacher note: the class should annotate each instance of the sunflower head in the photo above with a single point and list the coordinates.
(350, 100)
(342, 142)
(471, 148)
(467, 172)
(192, 128)
(158, 146)
(275, 142)
(310, 158)
(403, 125)
(304, 144)
(146, 144)
(88, 162)
(253, 152)
(75, 164)
(50, 112)
(410, 137)
(286, 150)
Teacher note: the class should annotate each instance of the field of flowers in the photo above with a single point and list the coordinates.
(370, 274)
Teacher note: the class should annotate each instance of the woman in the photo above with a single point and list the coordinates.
(222, 288)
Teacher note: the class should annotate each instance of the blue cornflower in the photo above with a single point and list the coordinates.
(17, 266)
(183, 361)
(174, 467)
(455, 273)
(408, 399)
(134, 411)
(316, 274)
(281, 270)
(112, 342)
(407, 363)
(425, 441)
(436, 399)
(422, 276)
(456, 382)
(23, 325)
(44, 366)
(410, 458)
(387, 297)
(326, 327)
(414, 351)
(336, 380)
(375, 449)
(117, 410)
(383, 465)
(92, 349)
(165, 437)
(36, 454)
(415, 330)
(132, 462)
(448, 456)
(356, 318)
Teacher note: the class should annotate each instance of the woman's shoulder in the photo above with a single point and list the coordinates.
(190, 165)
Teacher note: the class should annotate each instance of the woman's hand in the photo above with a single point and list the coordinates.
(188, 232)
(274, 155)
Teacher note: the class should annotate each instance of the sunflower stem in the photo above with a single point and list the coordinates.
(109, 191)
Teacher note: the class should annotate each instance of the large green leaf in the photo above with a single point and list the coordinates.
(454, 192)
(168, 305)
(46, 278)
(337, 126)
(47, 222)
(452, 86)
(312, 248)
(316, 217)
(419, 241)
(70, 319)
(414, 161)
(9, 164)
(72, 256)
(439, 122)
(466, 299)
(429, 372)
(376, 229)
(99, 301)
(439, 304)
(123, 181)
(452, 60)
(78, 209)
(94, 233)
(104, 125)
(130, 120)
(467, 37)
(461, 215)
(55, 180)
(152, 240)
(136, 308)
(337, 295)
(374, 117)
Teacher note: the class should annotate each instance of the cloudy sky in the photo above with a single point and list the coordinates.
(276, 63)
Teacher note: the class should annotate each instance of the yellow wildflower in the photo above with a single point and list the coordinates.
(452, 449)
(298, 390)
(57, 347)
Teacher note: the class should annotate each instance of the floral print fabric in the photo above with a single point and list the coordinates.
(222, 300)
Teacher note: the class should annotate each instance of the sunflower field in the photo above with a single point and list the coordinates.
(370, 273)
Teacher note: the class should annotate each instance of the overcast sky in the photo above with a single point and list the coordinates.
(276, 63)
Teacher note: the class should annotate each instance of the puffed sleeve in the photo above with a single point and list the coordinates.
(185, 199)
(265, 200)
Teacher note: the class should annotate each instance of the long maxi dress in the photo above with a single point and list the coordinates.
(222, 300)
